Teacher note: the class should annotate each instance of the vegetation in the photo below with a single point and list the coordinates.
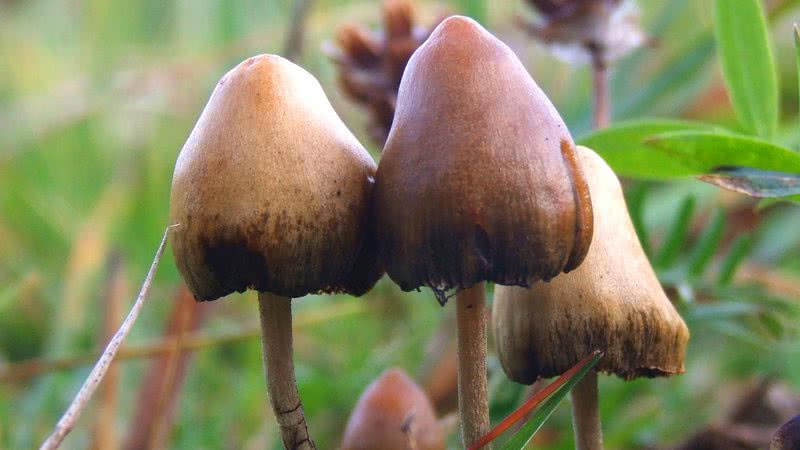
(96, 100)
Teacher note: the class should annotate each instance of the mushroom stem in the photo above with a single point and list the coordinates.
(276, 340)
(473, 400)
(602, 96)
(586, 414)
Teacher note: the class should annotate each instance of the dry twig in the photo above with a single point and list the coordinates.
(70, 417)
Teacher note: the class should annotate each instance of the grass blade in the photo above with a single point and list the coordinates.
(677, 234)
(526, 433)
(70, 417)
(736, 255)
(707, 244)
(797, 55)
(581, 368)
(747, 64)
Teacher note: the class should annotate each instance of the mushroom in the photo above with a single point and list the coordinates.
(271, 191)
(613, 302)
(393, 413)
(787, 437)
(478, 182)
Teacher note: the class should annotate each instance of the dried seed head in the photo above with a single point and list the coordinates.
(372, 63)
(478, 180)
(613, 302)
(393, 413)
(582, 30)
(271, 190)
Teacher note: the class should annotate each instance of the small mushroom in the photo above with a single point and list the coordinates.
(478, 182)
(271, 191)
(787, 437)
(393, 413)
(613, 302)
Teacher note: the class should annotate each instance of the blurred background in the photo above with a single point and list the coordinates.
(96, 99)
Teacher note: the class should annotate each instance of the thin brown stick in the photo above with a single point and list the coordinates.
(586, 414)
(159, 391)
(600, 89)
(473, 399)
(67, 421)
(275, 313)
(295, 37)
(192, 341)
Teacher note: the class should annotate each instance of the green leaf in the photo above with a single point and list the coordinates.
(624, 149)
(797, 53)
(755, 182)
(543, 412)
(747, 64)
(702, 152)
(736, 255)
(707, 244)
(676, 237)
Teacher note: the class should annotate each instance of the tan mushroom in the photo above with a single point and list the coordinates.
(478, 182)
(393, 413)
(271, 191)
(613, 302)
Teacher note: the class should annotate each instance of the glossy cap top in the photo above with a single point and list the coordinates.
(478, 179)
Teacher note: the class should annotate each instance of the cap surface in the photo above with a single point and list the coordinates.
(478, 179)
(271, 190)
(613, 302)
(787, 437)
(392, 413)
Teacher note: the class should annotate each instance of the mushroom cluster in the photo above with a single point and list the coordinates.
(479, 181)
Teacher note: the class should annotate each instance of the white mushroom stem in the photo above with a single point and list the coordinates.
(586, 414)
(276, 340)
(473, 400)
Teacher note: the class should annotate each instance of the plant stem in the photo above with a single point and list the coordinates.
(473, 401)
(602, 97)
(276, 340)
(70, 417)
(586, 414)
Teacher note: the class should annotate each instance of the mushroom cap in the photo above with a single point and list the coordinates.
(390, 412)
(478, 179)
(787, 437)
(613, 302)
(271, 190)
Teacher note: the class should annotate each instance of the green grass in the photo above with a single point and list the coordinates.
(96, 100)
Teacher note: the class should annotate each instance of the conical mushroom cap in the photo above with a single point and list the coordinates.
(613, 302)
(478, 180)
(390, 413)
(271, 190)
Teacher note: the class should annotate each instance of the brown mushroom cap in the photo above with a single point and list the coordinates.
(787, 437)
(613, 302)
(271, 190)
(478, 180)
(391, 412)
